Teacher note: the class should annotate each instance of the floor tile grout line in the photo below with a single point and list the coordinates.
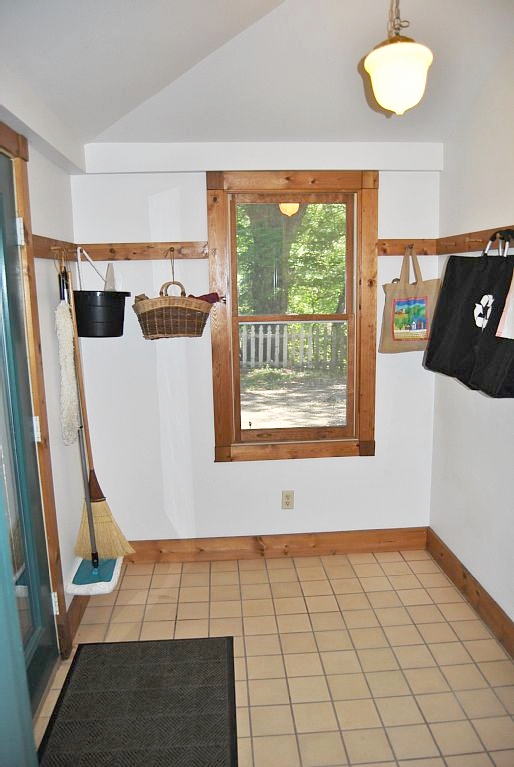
(286, 675)
(248, 707)
(290, 705)
(364, 673)
(453, 692)
(345, 746)
(413, 695)
(297, 734)
(459, 641)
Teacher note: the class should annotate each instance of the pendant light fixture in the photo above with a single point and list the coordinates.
(398, 67)
(289, 208)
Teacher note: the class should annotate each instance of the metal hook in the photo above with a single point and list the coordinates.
(502, 235)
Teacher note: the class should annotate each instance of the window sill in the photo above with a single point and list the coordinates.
(287, 450)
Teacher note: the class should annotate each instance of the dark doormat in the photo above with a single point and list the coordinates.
(167, 703)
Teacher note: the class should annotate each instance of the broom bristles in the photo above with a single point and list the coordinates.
(110, 541)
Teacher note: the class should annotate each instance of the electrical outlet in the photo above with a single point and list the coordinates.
(288, 499)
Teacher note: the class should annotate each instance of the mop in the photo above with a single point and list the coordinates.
(101, 545)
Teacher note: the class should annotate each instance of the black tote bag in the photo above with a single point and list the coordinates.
(493, 371)
(462, 342)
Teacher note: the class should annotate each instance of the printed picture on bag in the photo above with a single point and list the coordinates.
(410, 319)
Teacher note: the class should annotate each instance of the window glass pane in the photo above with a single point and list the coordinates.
(14, 511)
(291, 264)
(293, 374)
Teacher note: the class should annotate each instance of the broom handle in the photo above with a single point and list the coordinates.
(87, 497)
(83, 431)
(80, 379)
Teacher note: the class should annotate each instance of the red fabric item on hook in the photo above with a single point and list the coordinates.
(211, 298)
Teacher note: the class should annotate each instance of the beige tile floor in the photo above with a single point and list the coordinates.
(366, 659)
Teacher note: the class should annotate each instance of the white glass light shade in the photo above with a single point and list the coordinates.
(398, 71)
(289, 208)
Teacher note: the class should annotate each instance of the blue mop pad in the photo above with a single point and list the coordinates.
(89, 580)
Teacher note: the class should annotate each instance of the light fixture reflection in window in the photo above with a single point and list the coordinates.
(289, 208)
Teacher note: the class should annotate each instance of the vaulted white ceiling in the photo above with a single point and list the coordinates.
(243, 70)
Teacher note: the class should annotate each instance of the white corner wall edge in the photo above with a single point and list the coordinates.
(23, 111)
(187, 157)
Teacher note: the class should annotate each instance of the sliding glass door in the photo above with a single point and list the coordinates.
(22, 517)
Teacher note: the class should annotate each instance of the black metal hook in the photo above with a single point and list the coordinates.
(505, 236)
(502, 234)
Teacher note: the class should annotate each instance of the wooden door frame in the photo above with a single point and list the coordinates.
(15, 146)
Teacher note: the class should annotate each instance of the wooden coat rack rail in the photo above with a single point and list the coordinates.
(470, 242)
(45, 247)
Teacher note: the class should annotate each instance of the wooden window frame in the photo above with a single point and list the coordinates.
(230, 443)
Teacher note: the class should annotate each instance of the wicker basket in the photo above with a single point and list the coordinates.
(171, 316)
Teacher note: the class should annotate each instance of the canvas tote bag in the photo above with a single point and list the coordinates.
(463, 341)
(408, 310)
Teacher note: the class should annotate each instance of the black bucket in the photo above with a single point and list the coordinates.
(100, 313)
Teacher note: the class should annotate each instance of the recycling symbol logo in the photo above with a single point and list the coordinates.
(483, 310)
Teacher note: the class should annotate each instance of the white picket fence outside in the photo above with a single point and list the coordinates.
(301, 345)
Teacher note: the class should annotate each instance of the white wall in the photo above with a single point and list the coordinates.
(150, 402)
(50, 198)
(244, 155)
(51, 216)
(477, 189)
(139, 207)
(472, 487)
(25, 112)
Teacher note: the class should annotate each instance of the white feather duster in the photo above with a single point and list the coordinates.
(70, 413)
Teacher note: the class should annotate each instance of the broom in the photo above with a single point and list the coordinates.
(99, 540)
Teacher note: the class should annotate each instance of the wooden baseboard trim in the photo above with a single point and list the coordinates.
(489, 610)
(267, 546)
(322, 544)
(75, 612)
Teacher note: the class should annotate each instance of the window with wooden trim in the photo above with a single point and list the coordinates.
(294, 346)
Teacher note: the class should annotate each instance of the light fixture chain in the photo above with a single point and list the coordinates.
(395, 22)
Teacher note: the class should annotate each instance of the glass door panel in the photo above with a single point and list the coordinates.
(21, 574)
(19, 467)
